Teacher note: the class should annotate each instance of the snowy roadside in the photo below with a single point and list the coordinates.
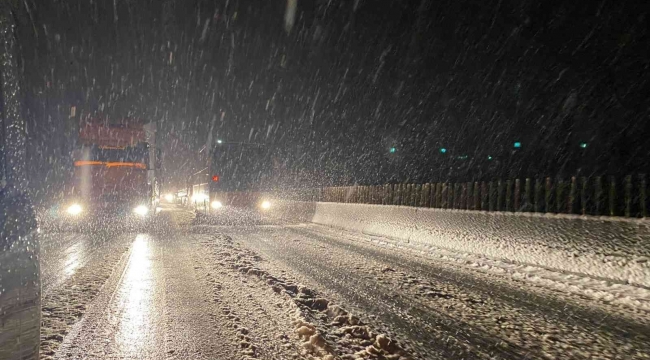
(442, 310)
(630, 297)
(64, 306)
(310, 326)
(603, 249)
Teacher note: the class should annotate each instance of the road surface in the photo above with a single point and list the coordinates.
(271, 291)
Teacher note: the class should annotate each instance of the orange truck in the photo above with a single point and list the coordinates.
(116, 173)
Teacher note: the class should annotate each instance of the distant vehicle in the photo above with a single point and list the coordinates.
(237, 175)
(116, 174)
(20, 284)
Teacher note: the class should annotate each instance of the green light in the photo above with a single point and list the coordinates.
(443, 150)
(583, 145)
(517, 144)
(489, 157)
(392, 150)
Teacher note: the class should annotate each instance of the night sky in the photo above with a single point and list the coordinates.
(332, 92)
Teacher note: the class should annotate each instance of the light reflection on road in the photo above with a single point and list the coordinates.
(72, 261)
(62, 255)
(136, 300)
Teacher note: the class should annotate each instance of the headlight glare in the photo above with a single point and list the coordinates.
(265, 205)
(141, 210)
(74, 209)
(216, 204)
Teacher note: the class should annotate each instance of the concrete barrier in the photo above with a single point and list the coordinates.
(603, 248)
(290, 212)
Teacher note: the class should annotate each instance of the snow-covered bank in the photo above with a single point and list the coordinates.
(598, 247)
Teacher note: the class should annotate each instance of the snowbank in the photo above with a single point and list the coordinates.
(602, 248)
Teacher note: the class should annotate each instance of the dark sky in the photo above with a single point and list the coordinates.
(350, 80)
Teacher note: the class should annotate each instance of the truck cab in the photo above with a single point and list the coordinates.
(239, 174)
(115, 176)
(235, 179)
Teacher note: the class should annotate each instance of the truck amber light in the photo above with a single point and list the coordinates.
(110, 164)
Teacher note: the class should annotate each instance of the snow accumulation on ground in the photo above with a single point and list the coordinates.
(64, 306)
(632, 297)
(438, 309)
(320, 328)
(613, 250)
(616, 251)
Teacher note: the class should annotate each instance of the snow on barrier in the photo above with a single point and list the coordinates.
(607, 248)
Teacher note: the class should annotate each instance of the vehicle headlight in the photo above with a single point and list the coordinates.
(141, 210)
(74, 209)
(265, 205)
(169, 197)
(216, 204)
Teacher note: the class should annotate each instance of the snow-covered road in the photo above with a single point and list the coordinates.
(188, 291)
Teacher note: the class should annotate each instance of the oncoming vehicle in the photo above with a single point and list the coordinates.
(115, 175)
(237, 175)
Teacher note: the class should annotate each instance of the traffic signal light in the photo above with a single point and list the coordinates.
(392, 150)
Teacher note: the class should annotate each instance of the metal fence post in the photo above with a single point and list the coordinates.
(492, 196)
(451, 195)
(583, 195)
(559, 196)
(598, 197)
(484, 196)
(628, 196)
(612, 196)
(572, 196)
(538, 195)
(443, 196)
(642, 196)
(548, 195)
(517, 203)
(426, 193)
(499, 195)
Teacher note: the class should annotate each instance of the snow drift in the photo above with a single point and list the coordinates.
(604, 248)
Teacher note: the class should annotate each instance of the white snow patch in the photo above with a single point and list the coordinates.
(613, 250)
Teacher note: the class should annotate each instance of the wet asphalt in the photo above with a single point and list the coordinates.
(155, 303)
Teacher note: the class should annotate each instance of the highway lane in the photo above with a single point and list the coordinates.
(446, 310)
(254, 289)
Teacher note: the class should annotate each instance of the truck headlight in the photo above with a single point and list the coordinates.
(265, 205)
(74, 209)
(141, 210)
(216, 205)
